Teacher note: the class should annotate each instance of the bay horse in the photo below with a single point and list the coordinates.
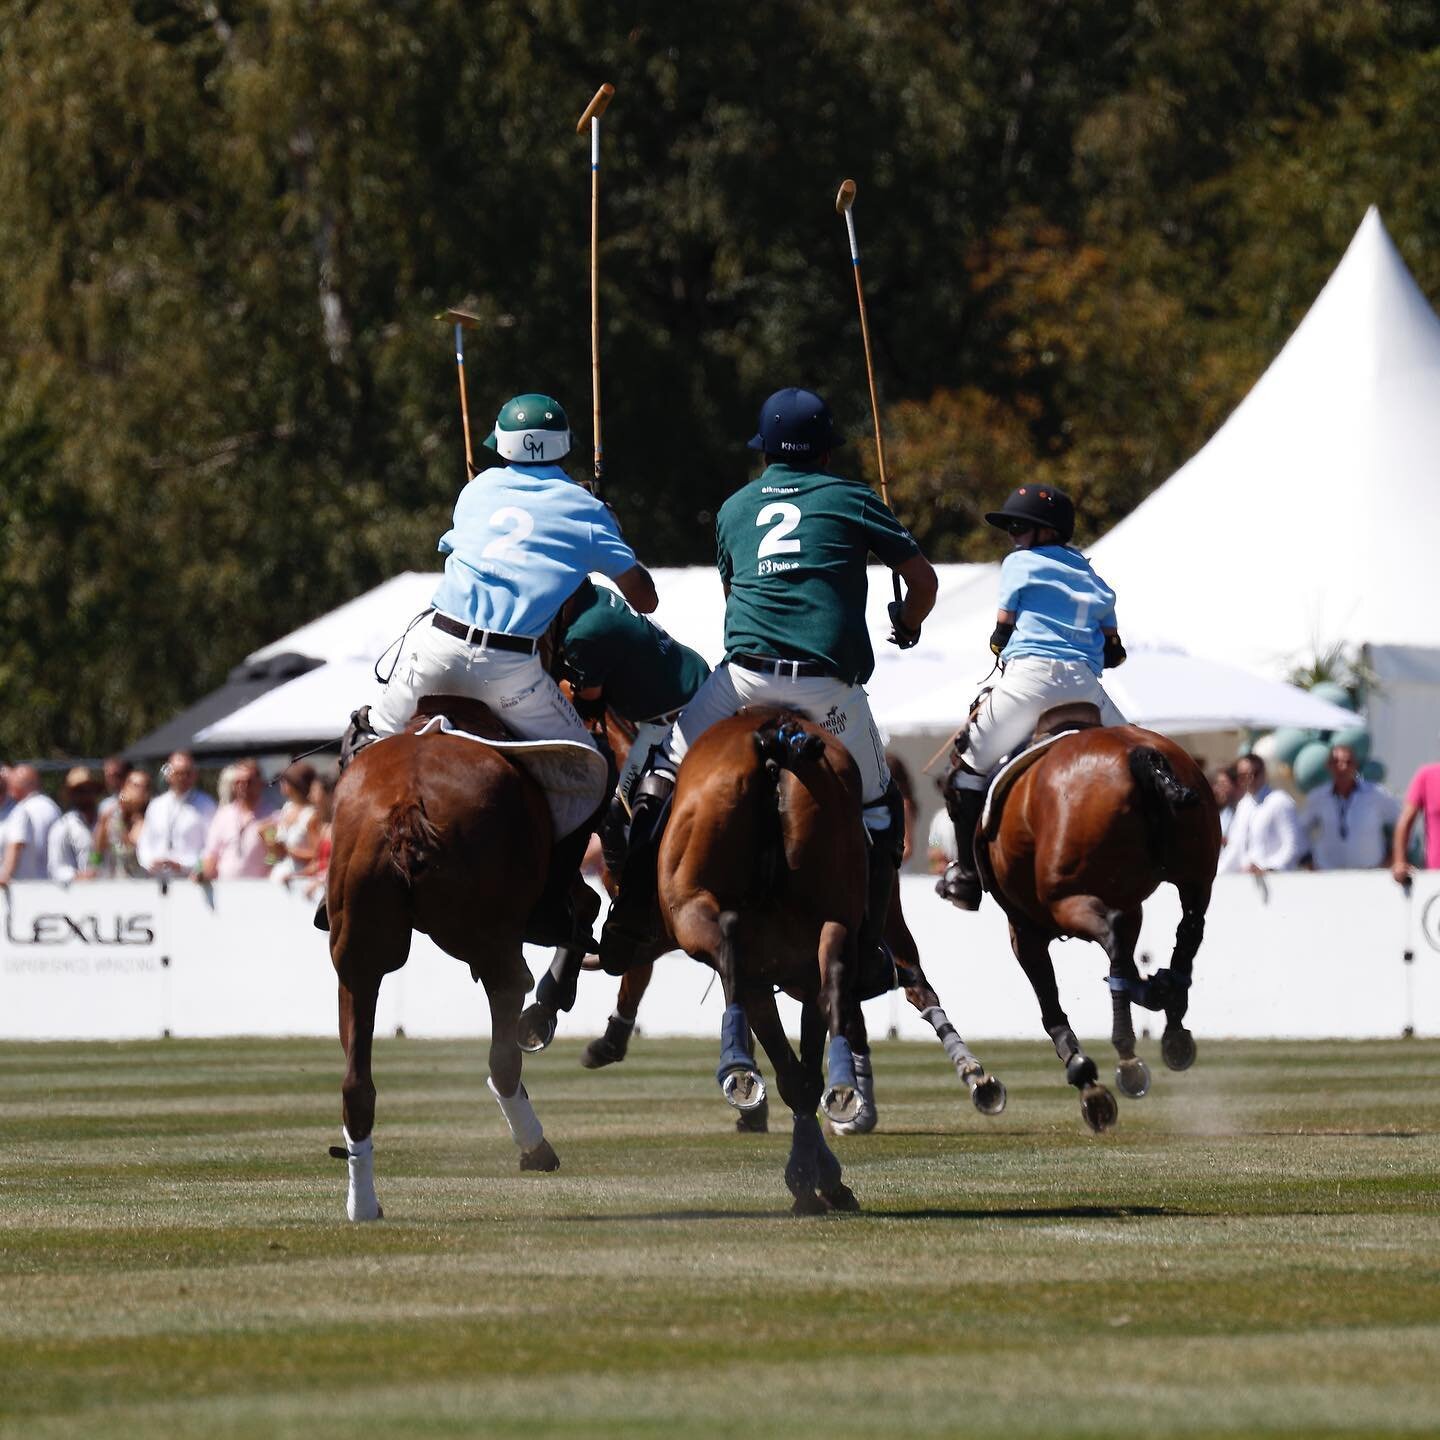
(761, 875)
(438, 834)
(1095, 824)
(556, 990)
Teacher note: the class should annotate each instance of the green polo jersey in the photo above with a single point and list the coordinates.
(792, 547)
(643, 671)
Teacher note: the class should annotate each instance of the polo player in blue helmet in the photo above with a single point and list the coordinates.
(1055, 633)
(791, 547)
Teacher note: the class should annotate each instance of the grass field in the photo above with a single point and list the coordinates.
(1256, 1250)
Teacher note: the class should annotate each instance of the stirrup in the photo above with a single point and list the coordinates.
(960, 887)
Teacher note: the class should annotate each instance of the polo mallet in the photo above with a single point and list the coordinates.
(593, 111)
(844, 202)
(463, 320)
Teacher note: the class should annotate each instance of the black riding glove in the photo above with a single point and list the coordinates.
(1114, 652)
(900, 633)
(1000, 638)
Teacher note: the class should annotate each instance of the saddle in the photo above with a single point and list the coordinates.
(1053, 724)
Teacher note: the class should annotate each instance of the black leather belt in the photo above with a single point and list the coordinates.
(785, 669)
(485, 639)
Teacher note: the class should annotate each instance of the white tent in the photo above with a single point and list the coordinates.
(919, 692)
(1310, 517)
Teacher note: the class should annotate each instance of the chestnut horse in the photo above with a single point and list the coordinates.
(1086, 834)
(761, 875)
(438, 834)
(556, 992)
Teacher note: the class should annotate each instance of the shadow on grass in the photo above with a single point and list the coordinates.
(1001, 1212)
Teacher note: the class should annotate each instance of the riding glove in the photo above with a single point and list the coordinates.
(900, 633)
(1000, 638)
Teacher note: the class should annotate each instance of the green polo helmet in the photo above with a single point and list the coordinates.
(531, 429)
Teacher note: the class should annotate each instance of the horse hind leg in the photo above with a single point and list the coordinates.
(503, 1082)
(1132, 1074)
(611, 1047)
(1097, 1104)
(1177, 1044)
(555, 993)
(987, 1092)
(737, 1074)
(841, 1098)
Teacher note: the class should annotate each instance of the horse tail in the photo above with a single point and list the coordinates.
(782, 744)
(1162, 794)
(411, 839)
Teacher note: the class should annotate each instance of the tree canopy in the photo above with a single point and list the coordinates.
(225, 404)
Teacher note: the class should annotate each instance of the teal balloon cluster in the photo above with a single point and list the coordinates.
(1307, 752)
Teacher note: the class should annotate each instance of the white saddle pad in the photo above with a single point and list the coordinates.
(572, 775)
(1011, 769)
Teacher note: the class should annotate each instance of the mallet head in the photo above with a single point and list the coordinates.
(596, 107)
(463, 318)
(846, 198)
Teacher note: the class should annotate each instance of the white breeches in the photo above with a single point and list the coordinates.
(841, 710)
(647, 737)
(515, 687)
(1007, 715)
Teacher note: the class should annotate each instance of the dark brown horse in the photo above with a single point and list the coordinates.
(556, 992)
(1086, 834)
(761, 875)
(438, 834)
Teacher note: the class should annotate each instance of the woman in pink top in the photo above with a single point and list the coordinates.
(235, 845)
(1422, 796)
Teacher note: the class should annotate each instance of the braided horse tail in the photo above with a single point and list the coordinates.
(1162, 796)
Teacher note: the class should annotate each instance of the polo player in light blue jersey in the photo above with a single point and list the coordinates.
(524, 536)
(1055, 633)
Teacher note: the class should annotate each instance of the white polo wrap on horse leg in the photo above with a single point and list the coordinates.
(520, 1116)
(361, 1202)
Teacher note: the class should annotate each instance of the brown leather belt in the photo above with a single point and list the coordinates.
(485, 639)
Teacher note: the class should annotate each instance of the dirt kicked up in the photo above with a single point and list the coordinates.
(1254, 1251)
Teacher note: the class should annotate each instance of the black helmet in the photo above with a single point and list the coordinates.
(795, 425)
(1040, 505)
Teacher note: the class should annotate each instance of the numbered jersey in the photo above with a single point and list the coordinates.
(524, 537)
(1061, 605)
(792, 546)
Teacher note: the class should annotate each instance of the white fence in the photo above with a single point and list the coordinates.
(1345, 955)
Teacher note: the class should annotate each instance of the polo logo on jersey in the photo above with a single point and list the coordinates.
(835, 721)
(775, 567)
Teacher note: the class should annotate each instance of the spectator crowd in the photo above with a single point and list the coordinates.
(113, 825)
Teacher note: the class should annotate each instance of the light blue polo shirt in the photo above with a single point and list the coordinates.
(1061, 605)
(523, 538)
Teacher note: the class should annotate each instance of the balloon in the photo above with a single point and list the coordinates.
(1309, 766)
(1374, 771)
(1264, 747)
(1289, 742)
(1335, 694)
(1357, 737)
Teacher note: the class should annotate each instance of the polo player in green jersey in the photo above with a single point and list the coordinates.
(791, 547)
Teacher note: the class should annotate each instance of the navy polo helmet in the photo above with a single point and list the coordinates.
(1037, 505)
(795, 424)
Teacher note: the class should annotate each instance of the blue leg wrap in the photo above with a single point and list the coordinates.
(840, 1064)
(733, 1052)
(1154, 993)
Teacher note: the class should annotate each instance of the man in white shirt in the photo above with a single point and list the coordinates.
(1265, 833)
(176, 823)
(27, 827)
(1349, 822)
(72, 837)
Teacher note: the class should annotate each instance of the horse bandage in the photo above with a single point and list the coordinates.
(520, 1116)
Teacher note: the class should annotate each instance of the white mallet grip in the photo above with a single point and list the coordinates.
(854, 243)
(594, 142)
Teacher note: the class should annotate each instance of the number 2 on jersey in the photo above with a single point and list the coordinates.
(517, 525)
(777, 541)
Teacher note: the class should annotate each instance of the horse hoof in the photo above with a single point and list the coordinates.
(841, 1104)
(542, 1157)
(1098, 1107)
(536, 1028)
(754, 1122)
(362, 1213)
(1177, 1047)
(866, 1118)
(809, 1203)
(744, 1089)
(1080, 1071)
(989, 1095)
(841, 1198)
(1133, 1078)
(609, 1048)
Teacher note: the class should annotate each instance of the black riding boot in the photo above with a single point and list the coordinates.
(555, 920)
(631, 922)
(960, 884)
